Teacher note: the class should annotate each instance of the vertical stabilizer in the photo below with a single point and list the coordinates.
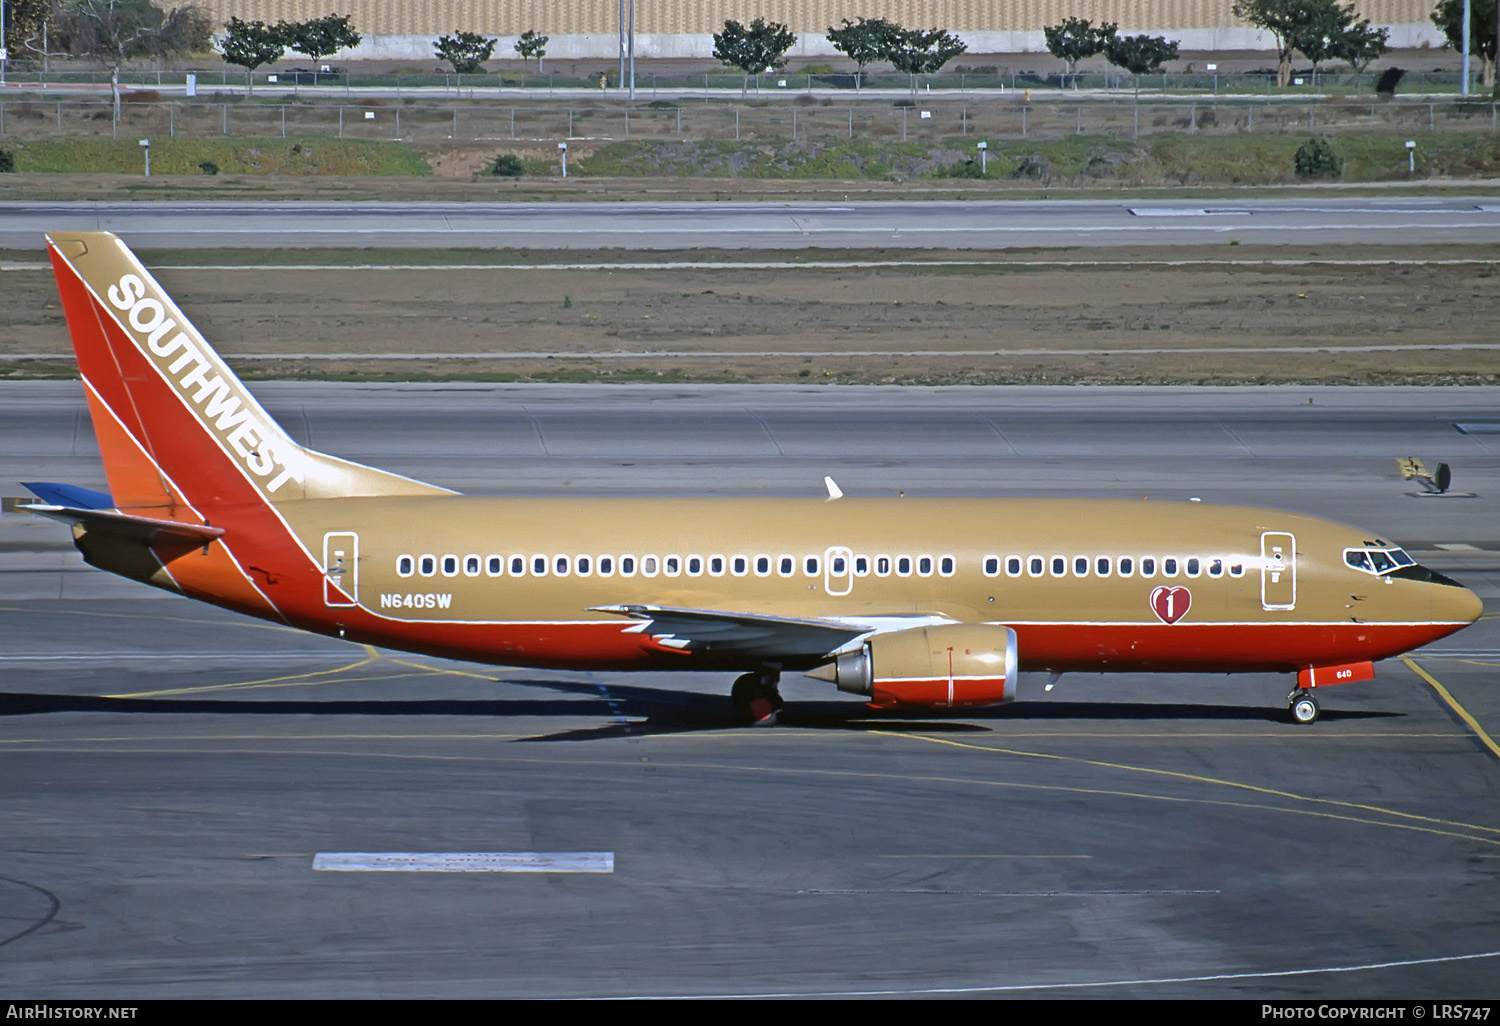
(174, 422)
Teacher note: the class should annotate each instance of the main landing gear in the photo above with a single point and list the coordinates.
(1302, 706)
(756, 699)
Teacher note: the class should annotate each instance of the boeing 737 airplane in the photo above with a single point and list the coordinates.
(911, 603)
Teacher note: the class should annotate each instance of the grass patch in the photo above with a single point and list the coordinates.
(314, 155)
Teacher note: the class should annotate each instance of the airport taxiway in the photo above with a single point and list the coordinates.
(171, 772)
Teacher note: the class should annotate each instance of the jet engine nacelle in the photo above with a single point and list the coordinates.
(952, 666)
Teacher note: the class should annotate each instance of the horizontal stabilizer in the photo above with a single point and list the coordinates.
(146, 530)
(69, 495)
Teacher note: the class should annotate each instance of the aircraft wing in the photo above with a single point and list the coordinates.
(750, 634)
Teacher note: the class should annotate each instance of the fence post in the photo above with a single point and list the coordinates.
(1430, 127)
(1079, 111)
(964, 114)
(172, 120)
(903, 124)
(1135, 132)
(851, 120)
(455, 124)
(59, 117)
(513, 122)
(794, 124)
(398, 123)
(627, 123)
(2, 119)
(1023, 121)
(224, 115)
(283, 121)
(1193, 119)
(570, 121)
(1249, 119)
(736, 124)
(341, 122)
(679, 122)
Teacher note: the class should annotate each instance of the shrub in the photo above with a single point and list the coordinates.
(208, 167)
(1317, 158)
(7, 162)
(506, 165)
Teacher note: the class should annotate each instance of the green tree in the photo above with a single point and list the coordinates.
(760, 47)
(1448, 16)
(321, 37)
(1283, 19)
(532, 44)
(251, 44)
(466, 51)
(1140, 55)
(115, 31)
(867, 41)
(924, 52)
(1077, 38)
(1361, 44)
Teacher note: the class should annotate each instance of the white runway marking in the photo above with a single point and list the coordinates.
(465, 861)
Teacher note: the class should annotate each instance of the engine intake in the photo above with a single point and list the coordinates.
(951, 666)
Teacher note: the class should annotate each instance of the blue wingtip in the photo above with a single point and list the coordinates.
(69, 495)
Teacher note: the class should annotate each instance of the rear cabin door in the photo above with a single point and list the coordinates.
(838, 570)
(340, 569)
(1278, 570)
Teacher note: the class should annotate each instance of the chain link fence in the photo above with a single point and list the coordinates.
(662, 120)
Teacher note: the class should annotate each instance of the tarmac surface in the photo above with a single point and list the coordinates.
(170, 774)
(984, 225)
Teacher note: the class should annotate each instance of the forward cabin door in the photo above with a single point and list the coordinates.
(1278, 570)
(340, 569)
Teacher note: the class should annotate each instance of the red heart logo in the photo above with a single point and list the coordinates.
(1171, 604)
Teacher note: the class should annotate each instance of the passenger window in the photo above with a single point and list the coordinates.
(739, 566)
(716, 565)
(649, 565)
(838, 567)
(471, 566)
(450, 566)
(1193, 567)
(786, 566)
(1101, 566)
(946, 566)
(1237, 570)
(1148, 566)
(671, 565)
(991, 566)
(1059, 566)
(861, 566)
(539, 566)
(1013, 566)
(518, 566)
(627, 566)
(810, 566)
(1126, 566)
(1035, 567)
(495, 566)
(695, 566)
(1080, 566)
(428, 566)
(903, 566)
(1216, 568)
(762, 566)
(1169, 567)
(582, 565)
(562, 566)
(924, 566)
(405, 566)
(606, 566)
(882, 566)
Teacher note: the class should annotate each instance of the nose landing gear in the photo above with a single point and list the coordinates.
(1302, 706)
(757, 701)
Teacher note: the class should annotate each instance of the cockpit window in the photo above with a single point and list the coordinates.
(1377, 561)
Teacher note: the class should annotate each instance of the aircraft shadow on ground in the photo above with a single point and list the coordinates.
(635, 710)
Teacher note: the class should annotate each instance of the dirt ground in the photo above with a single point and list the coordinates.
(996, 320)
